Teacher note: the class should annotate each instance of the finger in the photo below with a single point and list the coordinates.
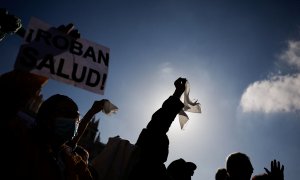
(69, 28)
(267, 171)
(66, 29)
(282, 169)
(272, 166)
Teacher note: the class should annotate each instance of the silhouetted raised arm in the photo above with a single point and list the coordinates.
(96, 108)
(162, 119)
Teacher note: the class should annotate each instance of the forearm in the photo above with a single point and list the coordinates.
(162, 119)
(82, 126)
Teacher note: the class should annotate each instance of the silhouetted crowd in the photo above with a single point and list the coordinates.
(43, 144)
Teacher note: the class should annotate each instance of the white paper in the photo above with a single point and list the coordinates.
(109, 108)
(189, 106)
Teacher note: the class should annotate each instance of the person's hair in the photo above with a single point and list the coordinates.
(221, 174)
(50, 105)
(179, 167)
(237, 161)
(17, 89)
(47, 112)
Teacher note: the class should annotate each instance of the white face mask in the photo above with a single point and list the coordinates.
(65, 128)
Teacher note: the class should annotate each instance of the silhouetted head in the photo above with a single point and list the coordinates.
(17, 89)
(181, 170)
(239, 166)
(57, 119)
(221, 174)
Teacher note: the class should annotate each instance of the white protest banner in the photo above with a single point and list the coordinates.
(48, 52)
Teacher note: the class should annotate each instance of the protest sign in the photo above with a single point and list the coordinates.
(48, 52)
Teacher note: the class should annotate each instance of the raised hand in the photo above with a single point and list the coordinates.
(276, 172)
(180, 86)
(9, 24)
(96, 107)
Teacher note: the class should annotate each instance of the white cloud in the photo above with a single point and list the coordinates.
(166, 68)
(292, 55)
(277, 93)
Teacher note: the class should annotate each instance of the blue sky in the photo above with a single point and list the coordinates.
(242, 59)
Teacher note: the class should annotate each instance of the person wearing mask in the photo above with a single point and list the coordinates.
(51, 150)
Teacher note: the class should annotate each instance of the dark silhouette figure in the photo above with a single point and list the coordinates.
(179, 169)
(239, 166)
(50, 151)
(276, 172)
(153, 141)
(47, 151)
(17, 90)
(221, 174)
(18, 87)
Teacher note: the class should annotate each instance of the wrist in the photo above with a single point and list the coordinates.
(177, 94)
